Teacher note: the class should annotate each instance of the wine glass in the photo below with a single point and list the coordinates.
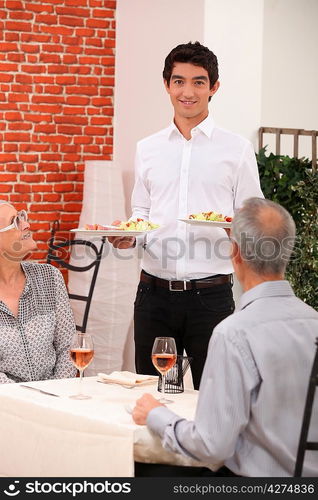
(81, 353)
(164, 356)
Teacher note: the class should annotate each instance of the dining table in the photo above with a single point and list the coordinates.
(53, 435)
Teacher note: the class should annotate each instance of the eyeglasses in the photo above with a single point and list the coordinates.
(18, 221)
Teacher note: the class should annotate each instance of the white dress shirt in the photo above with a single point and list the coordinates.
(253, 389)
(215, 170)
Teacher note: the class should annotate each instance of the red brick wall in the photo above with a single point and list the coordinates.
(56, 104)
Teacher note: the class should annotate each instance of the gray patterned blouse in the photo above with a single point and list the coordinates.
(34, 345)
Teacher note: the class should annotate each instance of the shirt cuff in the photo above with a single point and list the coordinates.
(140, 241)
(159, 418)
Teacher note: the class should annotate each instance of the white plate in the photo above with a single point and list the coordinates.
(207, 223)
(129, 409)
(110, 232)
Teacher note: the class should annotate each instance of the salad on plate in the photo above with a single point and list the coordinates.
(137, 225)
(211, 216)
(129, 225)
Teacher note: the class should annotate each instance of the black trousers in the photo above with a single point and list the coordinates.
(189, 316)
(159, 470)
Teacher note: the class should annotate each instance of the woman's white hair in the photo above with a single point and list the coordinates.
(4, 202)
(266, 247)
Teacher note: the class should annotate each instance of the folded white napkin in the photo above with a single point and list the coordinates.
(127, 378)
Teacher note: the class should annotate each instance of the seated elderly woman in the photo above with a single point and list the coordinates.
(36, 320)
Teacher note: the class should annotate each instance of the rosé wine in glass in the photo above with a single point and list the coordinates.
(81, 354)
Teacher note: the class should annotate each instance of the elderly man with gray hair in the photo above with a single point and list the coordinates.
(253, 389)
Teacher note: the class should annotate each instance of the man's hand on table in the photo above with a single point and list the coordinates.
(143, 407)
(121, 241)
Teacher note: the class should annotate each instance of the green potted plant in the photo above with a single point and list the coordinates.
(293, 183)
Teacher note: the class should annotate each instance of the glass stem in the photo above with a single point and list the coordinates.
(163, 385)
(80, 383)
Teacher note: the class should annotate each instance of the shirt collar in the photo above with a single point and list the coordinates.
(25, 269)
(172, 130)
(266, 289)
(206, 127)
(26, 289)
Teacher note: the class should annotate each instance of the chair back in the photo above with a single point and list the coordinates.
(55, 255)
(304, 444)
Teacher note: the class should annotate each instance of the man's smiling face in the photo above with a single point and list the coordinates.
(189, 90)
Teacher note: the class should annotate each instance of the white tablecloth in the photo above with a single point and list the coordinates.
(46, 436)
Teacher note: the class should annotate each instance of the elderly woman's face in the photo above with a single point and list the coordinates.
(14, 243)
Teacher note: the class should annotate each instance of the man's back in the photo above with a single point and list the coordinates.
(255, 378)
(276, 332)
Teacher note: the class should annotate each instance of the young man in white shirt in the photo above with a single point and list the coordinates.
(192, 166)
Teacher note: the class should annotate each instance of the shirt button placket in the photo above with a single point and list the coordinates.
(182, 209)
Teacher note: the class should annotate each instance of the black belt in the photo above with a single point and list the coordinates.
(181, 286)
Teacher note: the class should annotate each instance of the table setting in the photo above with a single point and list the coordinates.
(82, 426)
(46, 436)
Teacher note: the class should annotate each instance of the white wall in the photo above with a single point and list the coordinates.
(233, 29)
(267, 52)
(146, 32)
(290, 69)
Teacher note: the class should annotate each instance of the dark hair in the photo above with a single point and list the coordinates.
(193, 53)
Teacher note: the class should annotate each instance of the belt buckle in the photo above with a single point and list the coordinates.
(177, 289)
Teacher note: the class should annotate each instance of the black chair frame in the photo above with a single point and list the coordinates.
(303, 443)
(53, 257)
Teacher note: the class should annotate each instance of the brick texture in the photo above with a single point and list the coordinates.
(57, 61)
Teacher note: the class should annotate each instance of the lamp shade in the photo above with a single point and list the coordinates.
(111, 313)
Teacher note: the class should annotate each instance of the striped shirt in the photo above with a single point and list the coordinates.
(34, 345)
(253, 389)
